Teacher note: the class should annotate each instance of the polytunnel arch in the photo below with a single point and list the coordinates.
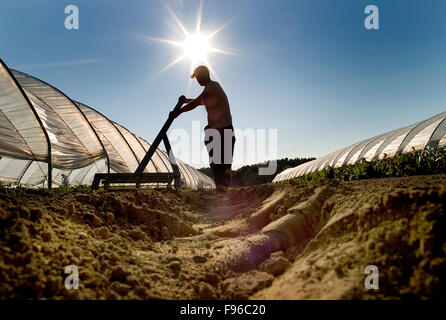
(437, 135)
(120, 144)
(145, 145)
(428, 133)
(59, 129)
(417, 130)
(25, 109)
(67, 110)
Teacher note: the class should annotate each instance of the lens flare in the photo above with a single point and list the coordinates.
(196, 46)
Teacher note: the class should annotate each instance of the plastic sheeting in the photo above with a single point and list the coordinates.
(39, 125)
(418, 136)
(66, 125)
(22, 136)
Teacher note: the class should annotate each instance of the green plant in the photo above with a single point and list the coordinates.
(65, 182)
(429, 161)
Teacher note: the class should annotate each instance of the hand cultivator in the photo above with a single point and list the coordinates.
(139, 176)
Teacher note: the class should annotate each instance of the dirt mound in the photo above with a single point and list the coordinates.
(267, 242)
(45, 231)
(396, 225)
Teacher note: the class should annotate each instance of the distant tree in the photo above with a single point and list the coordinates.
(207, 171)
(249, 175)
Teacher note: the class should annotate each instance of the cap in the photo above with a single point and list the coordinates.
(200, 72)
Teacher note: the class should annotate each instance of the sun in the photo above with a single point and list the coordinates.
(196, 46)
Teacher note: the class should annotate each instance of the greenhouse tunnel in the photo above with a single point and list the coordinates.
(48, 139)
(430, 133)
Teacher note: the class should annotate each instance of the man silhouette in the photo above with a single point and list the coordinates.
(219, 133)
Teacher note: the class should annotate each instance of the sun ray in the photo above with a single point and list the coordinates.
(171, 42)
(192, 65)
(170, 65)
(178, 21)
(189, 83)
(211, 69)
(200, 14)
(216, 50)
(216, 31)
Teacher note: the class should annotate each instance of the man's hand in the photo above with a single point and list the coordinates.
(191, 104)
(185, 100)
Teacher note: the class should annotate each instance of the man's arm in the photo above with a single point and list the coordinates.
(193, 103)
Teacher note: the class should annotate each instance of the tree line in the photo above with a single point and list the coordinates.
(249, 175)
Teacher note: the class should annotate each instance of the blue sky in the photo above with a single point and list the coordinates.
(309, 69)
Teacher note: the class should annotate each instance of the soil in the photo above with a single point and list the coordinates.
(269, 241)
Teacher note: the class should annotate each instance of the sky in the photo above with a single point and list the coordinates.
(307, 68)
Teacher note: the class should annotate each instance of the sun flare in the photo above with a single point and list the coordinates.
(196, 46)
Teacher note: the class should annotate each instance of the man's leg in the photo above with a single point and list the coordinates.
(217, 172)
(214, 171)
(226, 152)
(215, 164)
(220, 177)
